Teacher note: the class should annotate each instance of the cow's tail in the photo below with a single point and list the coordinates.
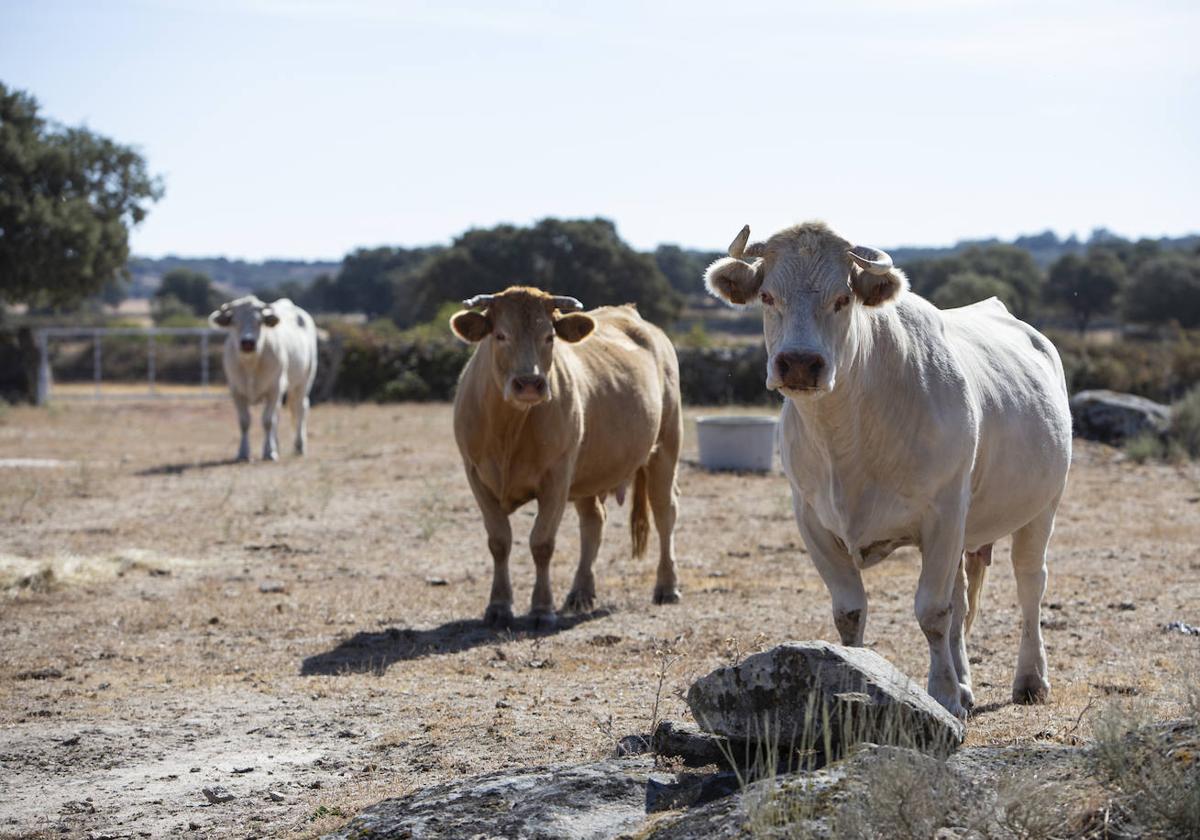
(639, 514)
(977, 565)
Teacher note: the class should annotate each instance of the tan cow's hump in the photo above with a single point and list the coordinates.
(612, 321)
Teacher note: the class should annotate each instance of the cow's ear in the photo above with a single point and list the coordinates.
(733, 280)
(269, 317)
(574, 327)
(876, 289)
(470, 326)
(222, 317)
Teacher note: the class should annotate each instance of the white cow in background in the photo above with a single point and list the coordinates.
(270, 351)
(909, 425)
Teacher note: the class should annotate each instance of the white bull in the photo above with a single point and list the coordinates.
(270, 351)
(908, 425)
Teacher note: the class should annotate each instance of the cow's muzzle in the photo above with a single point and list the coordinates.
(798, 371)
(248, 345)
(530, 389)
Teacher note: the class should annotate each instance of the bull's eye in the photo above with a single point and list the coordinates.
(501, 337)
(840, 303)
(550, 338)
(767, 299)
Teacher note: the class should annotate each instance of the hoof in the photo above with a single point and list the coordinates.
(543, 621)
(580, 602)
(1030, 689)
(666, 595)
(499, 616)
(270, 456)
(966, 697)
(242, 458)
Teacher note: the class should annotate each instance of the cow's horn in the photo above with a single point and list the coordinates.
(225, 307)
(871, 260)
(566, 303)
(738, 246)
(477, 301)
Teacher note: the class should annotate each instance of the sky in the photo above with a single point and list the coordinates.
(307, 128)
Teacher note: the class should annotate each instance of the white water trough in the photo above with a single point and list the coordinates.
(736, 442)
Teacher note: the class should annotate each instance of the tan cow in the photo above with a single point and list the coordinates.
(559, 405)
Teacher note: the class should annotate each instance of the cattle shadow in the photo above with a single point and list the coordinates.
(374, 652)
(186, 466)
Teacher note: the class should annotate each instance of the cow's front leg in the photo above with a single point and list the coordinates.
(934, 605)
(242, 404)
(582, 596)
(298, 401)
(499, 532)
(842, 577)
(270, 425)
(552, 501)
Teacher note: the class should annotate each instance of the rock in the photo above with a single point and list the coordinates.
(1112, 417)
(813, 700)
(276, 796)
(268, 587)
(436, 581)
(40, 674)
(632, 745)
(669, 792)
(688, 743)
(1181, 627)
(573, 802)
(217, 795)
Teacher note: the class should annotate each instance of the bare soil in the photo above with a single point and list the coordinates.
(305, 634)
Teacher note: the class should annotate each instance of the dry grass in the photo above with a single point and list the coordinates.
(136, 568)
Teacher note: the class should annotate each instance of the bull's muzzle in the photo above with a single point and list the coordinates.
(248, 345)
(529, 389)
(798, 371)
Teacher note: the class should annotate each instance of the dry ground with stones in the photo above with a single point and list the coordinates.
(306, 634)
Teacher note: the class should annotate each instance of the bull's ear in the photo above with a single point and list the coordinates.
(222, 317)
(269, 317)
(470, 326)
(876, 289)
(734, 281)
(574, 327)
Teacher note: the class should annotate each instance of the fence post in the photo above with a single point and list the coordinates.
(204, 360)
(150, 361)
(96, 361)
(43, 374)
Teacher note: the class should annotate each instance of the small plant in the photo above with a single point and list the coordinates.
(1145, 447)
(1185, 423)
(322, 812)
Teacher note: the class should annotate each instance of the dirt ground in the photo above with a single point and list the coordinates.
(306, 634)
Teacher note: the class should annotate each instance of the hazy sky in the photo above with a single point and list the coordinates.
(305, 128)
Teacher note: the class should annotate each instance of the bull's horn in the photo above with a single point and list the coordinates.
(225, 307)
(566, 303)
(477, 301)
(738, 246)
(871, 260)
(267, 312)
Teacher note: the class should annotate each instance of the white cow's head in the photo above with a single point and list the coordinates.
(244, 318)
(522, 324)
(812, 285)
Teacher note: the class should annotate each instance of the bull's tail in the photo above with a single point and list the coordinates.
(639, 514)
(977, 565)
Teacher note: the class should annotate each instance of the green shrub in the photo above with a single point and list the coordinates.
(1145, 447)
(1185, 423)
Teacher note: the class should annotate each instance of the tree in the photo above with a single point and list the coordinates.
(1165, 289)
(370, 279)
(68, 198)
(1008, 264)
(190, 288)
(1087, 286)
(684, 270)
(582, 258)
(967, 287)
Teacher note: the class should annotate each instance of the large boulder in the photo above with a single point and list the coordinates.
(1112, 417)
(812, 701)
(573, 802)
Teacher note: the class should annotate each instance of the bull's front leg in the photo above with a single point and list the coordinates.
(242, 404)
(842, 577)
(499, 611)
(270, 425)
(939, 616)
(552, 501)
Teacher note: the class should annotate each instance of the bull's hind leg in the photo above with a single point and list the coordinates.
(582, 596)
(552, 502)
(1031, 685)
(298, 403)
(664, 503)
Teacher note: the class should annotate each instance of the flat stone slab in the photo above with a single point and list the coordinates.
(595, 801)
